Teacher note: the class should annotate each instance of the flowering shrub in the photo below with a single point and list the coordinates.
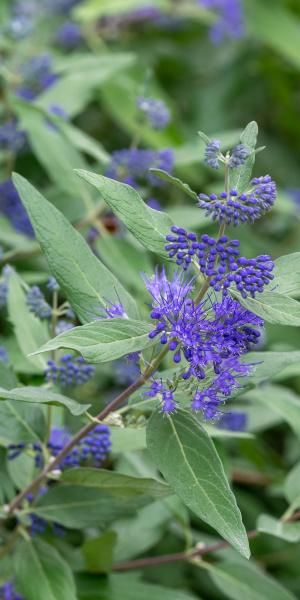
(149, 300)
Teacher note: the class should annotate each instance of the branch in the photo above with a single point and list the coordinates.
(112, 406)
(197, 552)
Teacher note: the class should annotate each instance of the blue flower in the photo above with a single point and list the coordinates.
(238, 156)
(230, 22)
(235, 208)
(37, 304)
(8, 592)
(220, 261)
(155, 110)
(70, 371)
(11, 137)
(211, 154)
(132, 166)
(69, 35)
(92, 449)
(233, 420)
(37, 76)
(3, 355)
(206, 339)
(12, 207)
(52, 284)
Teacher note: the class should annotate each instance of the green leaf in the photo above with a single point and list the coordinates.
(98, 552)
(8, 378)
(138, 534)
(41, 395)
(285, 531)
(76, 506)
(92, 9)
(117, 484)
(69, 91)
(239, 580)
(54, 150)
(287, 274)
(21, 470)
(126, 439)
(191, 218)
(42, 573)
(21, 422)
(184, 187)
(292, 486)
(104, 340)
(240, 177)
(278, 28)
(149, 226)
(274, 308)
(86, 282)
(269, 364)
(7, 489)
(176, 441)
(118, 587)
(30, 331)
(281, 400)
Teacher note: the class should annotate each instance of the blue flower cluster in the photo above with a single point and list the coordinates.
(230, 22)
(132, 166)
(37, 76)
(11, 138)
(155, 110)
(69, 35)
(12, 207)
(213, 155)
(37, 303)
(70, 371)
(234, 208)
(3, 355)
(220, 261)
(209, 337)
(8, 592)
(92, 449)
(233, 421)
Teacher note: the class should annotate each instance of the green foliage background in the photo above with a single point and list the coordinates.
(131, 514)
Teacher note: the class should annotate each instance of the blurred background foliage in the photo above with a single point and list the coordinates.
(119, 54)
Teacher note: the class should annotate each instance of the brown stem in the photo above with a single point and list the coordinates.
(141, 563)
(113, 405)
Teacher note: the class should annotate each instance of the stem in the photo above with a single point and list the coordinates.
(112, 406)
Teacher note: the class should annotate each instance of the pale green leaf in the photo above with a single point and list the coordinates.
(149, 226)
(240, 176)
(39, 395)
(86, 282)
(289, 532)
(176, 441)
(104, 340)
(240, 580)
(30, 331)
(116, 484)
(42, 573)
(274, 308)
(281, 400)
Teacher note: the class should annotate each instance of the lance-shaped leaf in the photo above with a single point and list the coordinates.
(42, 573)
(86, 282)
(274, 308)
(240, 177)
(77, 506)
(149, 226)
(187, 458)
(285, 531)
(184, 187)
(117, 484)
(238, 580)
(39, 395)
(281, 400)
(104, 340)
